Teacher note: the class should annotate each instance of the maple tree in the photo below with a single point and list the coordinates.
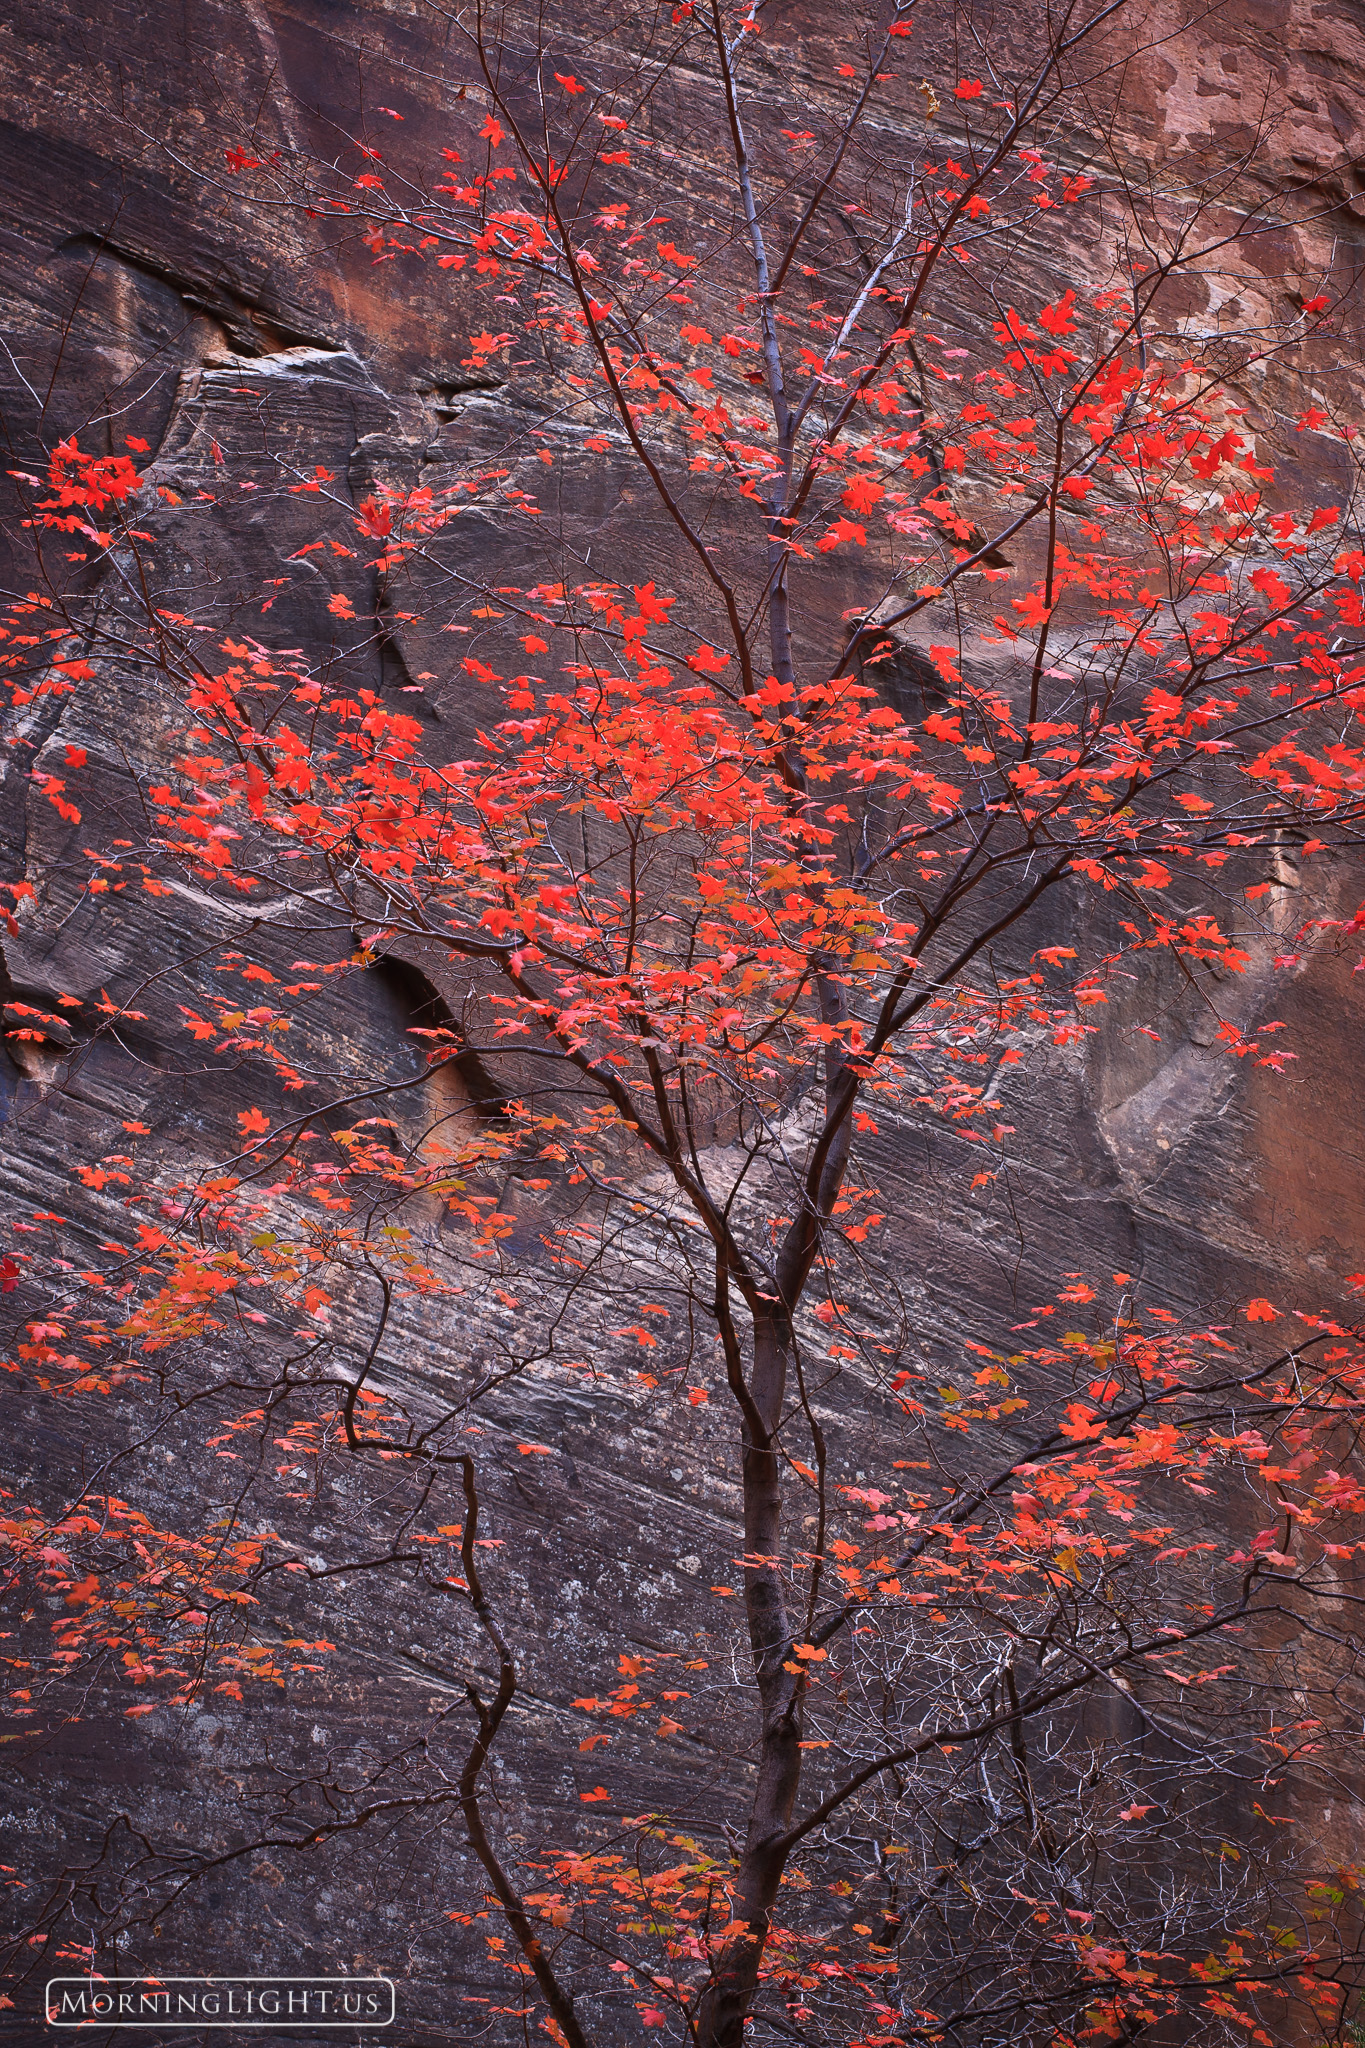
(724, 883)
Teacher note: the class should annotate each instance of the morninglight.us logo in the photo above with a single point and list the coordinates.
(179, 2002)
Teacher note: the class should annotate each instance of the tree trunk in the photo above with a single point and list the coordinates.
(721, 2012)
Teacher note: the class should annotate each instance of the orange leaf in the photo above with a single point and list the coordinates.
(862, 494)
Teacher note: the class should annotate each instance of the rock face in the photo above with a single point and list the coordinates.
(142, 296)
